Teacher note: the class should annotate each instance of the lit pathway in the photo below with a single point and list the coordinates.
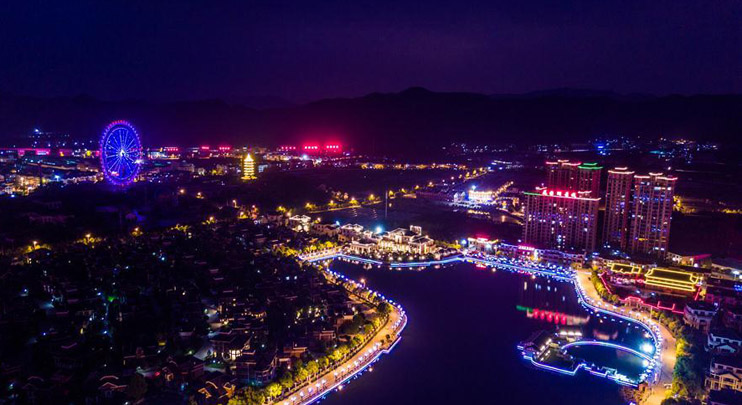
(659, 392)
(334, 378)
(659, 388)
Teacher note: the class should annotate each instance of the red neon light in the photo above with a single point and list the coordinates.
(641, 301)
(206, 147)
(559, 193)
(550, 316)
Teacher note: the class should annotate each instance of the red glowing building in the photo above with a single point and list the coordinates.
(574, 176)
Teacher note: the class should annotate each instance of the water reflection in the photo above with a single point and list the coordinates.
(572, 337)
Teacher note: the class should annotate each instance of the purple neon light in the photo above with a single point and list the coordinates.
(120, 152)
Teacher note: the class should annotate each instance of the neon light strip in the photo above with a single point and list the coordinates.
(607, 344)
(492, 263)
(642, 302)
(652, 328)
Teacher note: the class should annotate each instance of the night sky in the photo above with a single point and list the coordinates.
(300, 51)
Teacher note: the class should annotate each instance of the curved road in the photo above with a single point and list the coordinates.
(668, 354)
(659, 388)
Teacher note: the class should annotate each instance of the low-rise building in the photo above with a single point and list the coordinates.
(725, 373)
(362, 247)
(724, 397)
(672, 281)
(550, 256)
(348, 232)
(321, 229)
(698, 314)
(732, 318)
(723, 341)
(300, 223)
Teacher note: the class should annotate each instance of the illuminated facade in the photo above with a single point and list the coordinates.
(561, 219)
(574, 176)
(671, 279)
(481, 197)
(617, 208)
(248, 168)
(651, 213)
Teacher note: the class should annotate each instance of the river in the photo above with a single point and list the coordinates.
(460, 342)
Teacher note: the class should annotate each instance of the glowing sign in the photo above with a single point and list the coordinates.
(559, 193)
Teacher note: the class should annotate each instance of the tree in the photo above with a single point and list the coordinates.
(238, 399)
(286, 381)
(273, 390)
(344, 350)
(254, 396)
(355, 342)
(137, 387)
(313, 367)
(336, 355)
(323, 362)
(634, 395)
(300, 374)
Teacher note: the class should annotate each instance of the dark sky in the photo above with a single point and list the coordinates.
(308, 50)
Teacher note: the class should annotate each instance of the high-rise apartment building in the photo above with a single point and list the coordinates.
(559, 219)
(574, 176)
(651, 214)
(617, 208)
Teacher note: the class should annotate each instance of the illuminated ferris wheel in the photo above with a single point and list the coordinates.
(120, 153)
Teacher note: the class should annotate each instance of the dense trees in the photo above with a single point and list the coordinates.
(248, 396)
(603, 290)
(692, 359)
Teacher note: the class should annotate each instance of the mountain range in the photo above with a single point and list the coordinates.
(412, 120)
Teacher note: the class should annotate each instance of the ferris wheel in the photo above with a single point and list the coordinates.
(120, 153)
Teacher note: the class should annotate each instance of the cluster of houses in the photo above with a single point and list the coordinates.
(214, 340)
(365, 242)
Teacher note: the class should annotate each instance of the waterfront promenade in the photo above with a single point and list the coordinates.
(362, 359)
(661, 378)
(661, 386)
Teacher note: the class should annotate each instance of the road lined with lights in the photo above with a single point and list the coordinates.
(658, 372)
(665, 344)
(356, 364)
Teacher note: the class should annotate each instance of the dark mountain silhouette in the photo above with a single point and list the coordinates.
(415, 119)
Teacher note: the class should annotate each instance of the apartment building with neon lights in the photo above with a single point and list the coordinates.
(559, 219)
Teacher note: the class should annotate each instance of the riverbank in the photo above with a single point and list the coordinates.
(383, 342)
(660, 388)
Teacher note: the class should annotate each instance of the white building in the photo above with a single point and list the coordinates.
(348, 232)
(698, 314)
(725, 373)
(723, 341)
(300, 223)
(331, 230)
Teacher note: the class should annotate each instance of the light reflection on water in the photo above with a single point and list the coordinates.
(460, 343)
